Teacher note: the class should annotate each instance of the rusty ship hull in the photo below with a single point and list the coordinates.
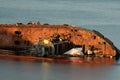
(49, 40)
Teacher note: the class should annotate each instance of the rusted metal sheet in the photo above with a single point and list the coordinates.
(26, 35)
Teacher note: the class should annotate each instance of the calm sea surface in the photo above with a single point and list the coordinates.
(101, 15)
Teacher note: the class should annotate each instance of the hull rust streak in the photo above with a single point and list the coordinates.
(53, 40)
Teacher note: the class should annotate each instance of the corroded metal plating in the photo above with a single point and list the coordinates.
(25, 35)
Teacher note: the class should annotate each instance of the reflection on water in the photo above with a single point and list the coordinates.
(95, 60)
(93, 68)
(74, 60)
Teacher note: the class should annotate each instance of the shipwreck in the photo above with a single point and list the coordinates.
(35, 39)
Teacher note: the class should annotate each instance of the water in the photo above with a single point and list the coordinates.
(43, 70)
(101, 15)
